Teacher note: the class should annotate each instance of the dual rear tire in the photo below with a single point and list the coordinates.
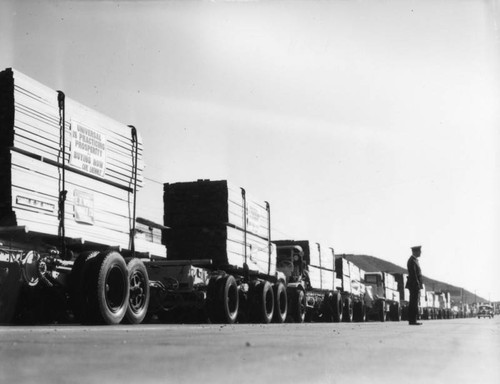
(223, 300)
(105, 290)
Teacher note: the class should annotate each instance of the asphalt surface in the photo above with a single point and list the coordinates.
(439, 351)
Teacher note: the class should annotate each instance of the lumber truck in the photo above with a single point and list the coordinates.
(404, 293)
(221, 260)
(382, 296)
(429, 309)
(422, 303)
(442, 305)
(309, 269)
(70, 241)
(445, 304)
(352, 290)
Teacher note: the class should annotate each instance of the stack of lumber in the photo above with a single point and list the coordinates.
(98, 155)
(391, 287)
(349, 275)
(148, 237)
(401, 279)
(215, 220)
(319, 260)
(206, 202)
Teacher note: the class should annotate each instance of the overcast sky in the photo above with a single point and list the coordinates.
(369, 126)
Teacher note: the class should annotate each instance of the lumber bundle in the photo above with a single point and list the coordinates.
(97, 159)
(349, 276)
(391, 287)
(224, 245)
(321, 267)
(206, 202)
(214, 220)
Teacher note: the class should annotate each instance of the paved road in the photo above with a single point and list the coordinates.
(440, 351)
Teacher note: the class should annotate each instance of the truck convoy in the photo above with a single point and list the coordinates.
(73, 249)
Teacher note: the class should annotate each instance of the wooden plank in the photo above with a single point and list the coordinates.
(35, 196)
(223, 244)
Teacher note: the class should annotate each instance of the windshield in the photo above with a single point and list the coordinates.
(485, 308)
(371, 279)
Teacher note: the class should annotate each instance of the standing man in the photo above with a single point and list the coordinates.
(414, 284)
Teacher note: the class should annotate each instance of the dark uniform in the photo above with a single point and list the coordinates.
(414, 284)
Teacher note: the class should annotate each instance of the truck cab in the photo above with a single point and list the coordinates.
(385, 300)
(376, 282)
(291, 263)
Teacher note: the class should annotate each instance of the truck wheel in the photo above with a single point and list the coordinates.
(230, 300)
(107, 288)
(338, 313)
(396, 312)
(404, 313)
(359, 312)
(348, 310)
(299, 305)
(77, 285)
(326, 309)
(138, 301)
(381, 311)
(223, 300)
(280, 303)
(262, 309)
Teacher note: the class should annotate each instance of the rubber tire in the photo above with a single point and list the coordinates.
(396, 312)
(359, 311)
(348, 310)
(229, 299)
(404, 313)
(107, 289)
(262, 310)
(139, 293)
(327, 308)
(381, 311)
(77, 285)
(211, 301)
(298, 306)
(280, 303)
(223, 305)
(338, 313)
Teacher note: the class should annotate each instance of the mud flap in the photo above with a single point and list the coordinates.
(10, 287)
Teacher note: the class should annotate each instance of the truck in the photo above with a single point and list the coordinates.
(309, 269)
(221, 262)
(71, 243)
(382, 296)
(428, 302)
(351, 288)
(404, 293)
